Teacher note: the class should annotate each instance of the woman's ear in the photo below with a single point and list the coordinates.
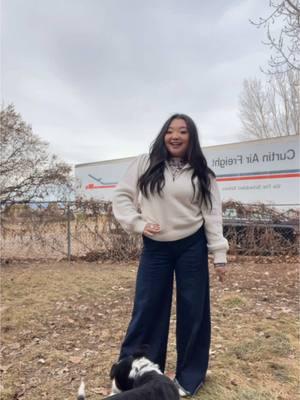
(113, 371)
(141, 351)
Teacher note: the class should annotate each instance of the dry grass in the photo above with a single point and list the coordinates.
(62, 321)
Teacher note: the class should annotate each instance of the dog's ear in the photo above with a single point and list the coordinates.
(113, 371)
(141, 351)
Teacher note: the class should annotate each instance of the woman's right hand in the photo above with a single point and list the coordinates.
(151, 229)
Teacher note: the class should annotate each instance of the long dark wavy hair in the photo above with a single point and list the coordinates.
(153, 179)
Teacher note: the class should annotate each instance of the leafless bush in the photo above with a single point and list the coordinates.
(96, 219)
(258, 229)
(88, 230)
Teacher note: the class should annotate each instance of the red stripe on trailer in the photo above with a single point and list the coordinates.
(245, 178)
(93, 186)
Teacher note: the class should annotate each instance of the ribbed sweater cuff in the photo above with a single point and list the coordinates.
(220, 257)
(140, 226)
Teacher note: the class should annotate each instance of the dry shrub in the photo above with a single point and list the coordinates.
(258, 229)
(87, 229)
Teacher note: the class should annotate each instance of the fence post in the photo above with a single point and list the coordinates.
(69, 231)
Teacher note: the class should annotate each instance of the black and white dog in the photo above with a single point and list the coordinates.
(137, 378)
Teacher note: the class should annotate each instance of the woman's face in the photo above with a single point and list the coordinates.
(177, 138)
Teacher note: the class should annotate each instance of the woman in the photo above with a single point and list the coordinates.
(171, 197)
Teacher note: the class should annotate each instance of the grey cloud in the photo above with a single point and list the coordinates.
(110, 72)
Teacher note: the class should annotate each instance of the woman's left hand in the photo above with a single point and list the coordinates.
(221, 271)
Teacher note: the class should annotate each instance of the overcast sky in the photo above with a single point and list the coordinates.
(98, 78)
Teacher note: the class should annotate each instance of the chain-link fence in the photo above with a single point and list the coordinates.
(87, 230)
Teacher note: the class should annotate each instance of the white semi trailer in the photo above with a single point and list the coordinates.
(265, 171)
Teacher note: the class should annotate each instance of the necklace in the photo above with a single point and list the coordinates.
(176, 164)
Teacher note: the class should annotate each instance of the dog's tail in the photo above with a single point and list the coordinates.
(81, 392)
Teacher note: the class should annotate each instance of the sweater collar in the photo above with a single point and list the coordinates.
(177, 160)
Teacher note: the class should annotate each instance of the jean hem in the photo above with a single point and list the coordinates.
(186, 391)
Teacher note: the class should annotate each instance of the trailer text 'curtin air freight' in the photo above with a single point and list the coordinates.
(265, 171)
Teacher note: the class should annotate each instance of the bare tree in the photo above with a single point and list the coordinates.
(27, 170)
(272, 109)
(283, 35)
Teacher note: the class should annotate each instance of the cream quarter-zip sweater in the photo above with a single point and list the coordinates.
(176, 211)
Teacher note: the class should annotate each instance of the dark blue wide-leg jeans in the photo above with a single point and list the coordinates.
(188, 259)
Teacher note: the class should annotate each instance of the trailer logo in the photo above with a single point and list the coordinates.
(103, 185)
